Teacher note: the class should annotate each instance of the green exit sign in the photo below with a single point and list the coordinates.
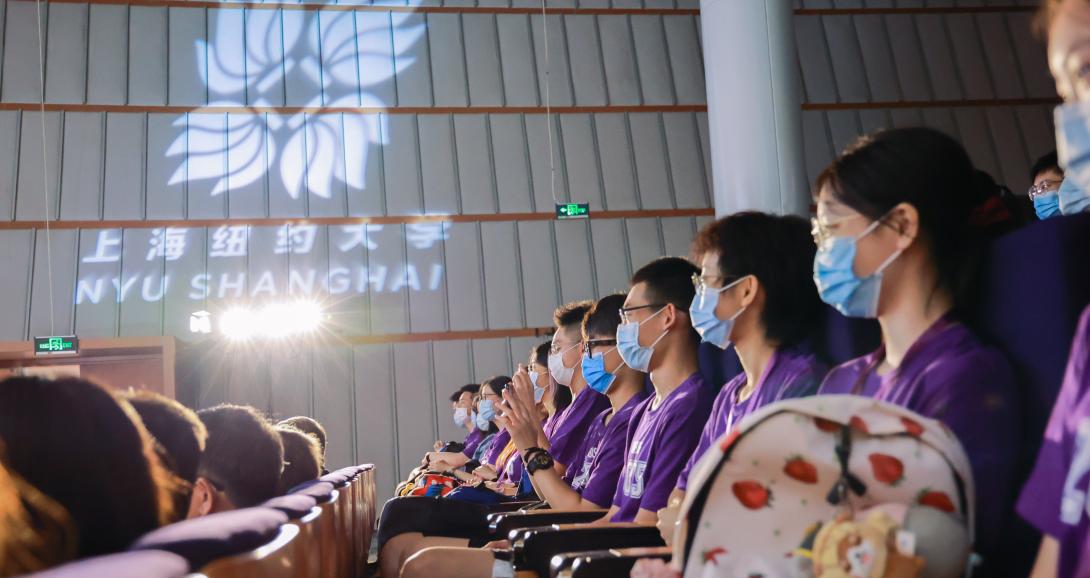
(573, 211)
(56, 345)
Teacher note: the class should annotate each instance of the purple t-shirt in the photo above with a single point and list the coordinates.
(1054, 498)
(789, 374)
(660, 441)
(498, 443)
(603, 454)
(949, 375)
(472, 441)
(572, 425)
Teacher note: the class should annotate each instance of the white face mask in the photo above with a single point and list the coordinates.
(461, 415)
(561, 374)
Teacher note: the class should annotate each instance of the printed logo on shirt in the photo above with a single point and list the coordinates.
(633, 480)
(1074, 499)
(580, 481)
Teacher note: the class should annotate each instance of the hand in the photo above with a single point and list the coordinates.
(438, 445)
(667, 522)
(498, 545)
(520, 424)
(485, 472)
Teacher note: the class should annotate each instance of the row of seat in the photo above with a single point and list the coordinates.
(320, 529)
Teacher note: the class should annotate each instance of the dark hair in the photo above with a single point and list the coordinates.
(670, 280)
(604, 317)
(308, 425)
(243, 456)
(35, 532)
(86, 450)
(1047, 162)
(179, 438)
(302, 457)
(540, 352)
(928, 170)
(570, 314)
(178, 432)
(779, 252)
(496, 383)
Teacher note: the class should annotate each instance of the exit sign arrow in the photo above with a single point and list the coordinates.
(572, 210)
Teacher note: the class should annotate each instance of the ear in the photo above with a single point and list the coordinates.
(749, 289)
(905, 221)
(203, 499)
(669, 316)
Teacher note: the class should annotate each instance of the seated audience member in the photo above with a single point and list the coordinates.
(241, 464)
(557, 398)
(309, 425)
(1054, 498)
(1046, 175)
(179, 439)
(894, 244)
(35, 531)
(302, 457)
(657, 337)
(755, 292)
(87, 451)
(587, 486)
(465, 417)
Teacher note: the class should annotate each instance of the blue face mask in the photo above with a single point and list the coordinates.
(461, 415)
(635, 355)
(1047, 205)
(837, 283)
(594, 371)
(486, 411)
(539, 392)
(481, 423)
(1073, 147)
(1071, 199)
(702, 312)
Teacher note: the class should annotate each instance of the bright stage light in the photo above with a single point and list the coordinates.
(274, 321)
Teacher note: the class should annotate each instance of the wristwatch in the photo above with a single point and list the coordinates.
(537, 459)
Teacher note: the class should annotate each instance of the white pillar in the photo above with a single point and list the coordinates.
(754, 113)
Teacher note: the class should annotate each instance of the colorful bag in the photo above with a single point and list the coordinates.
(760, 494)
(428, 484)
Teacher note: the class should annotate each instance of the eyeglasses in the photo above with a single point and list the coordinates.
(557, 348)
(1043, 187)
(703, 282)
(626, 310)
(589, 345)
(823, 231)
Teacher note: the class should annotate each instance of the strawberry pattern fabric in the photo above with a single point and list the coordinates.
(762, 487)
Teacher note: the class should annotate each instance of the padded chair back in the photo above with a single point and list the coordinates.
(276, 559)
(144, 564)
(294, 505)
(308, 546)
(202, 540)
(328, 527)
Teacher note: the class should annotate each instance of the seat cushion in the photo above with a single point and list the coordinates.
(144, 564)
(294, 505)
(202, 540)
(316, 489)
(336, 478)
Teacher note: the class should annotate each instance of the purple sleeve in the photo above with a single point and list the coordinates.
(567, 438)
(498, 443)
(680, 437)
(712, 430)
(606, 470)
(1041, 497)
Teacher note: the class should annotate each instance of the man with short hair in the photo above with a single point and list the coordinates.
(241, 464)
(309, 425)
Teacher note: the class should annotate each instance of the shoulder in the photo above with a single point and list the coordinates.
(841, 378)
(971, 363)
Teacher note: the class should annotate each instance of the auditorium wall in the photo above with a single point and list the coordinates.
(394, 165)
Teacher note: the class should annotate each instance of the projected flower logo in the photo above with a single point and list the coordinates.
(305, 59)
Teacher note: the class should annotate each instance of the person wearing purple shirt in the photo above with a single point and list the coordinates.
(892, 230)
(595, 478)
(657, 336)
(1054, 498)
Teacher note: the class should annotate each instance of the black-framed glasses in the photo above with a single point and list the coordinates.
(589, 345)
(626, 310)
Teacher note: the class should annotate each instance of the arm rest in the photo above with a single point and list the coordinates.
(504, 507)
(502, 524)
(538, 545)
(605, 563)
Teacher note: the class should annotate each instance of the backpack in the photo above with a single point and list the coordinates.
(428, 484)
(761, 494)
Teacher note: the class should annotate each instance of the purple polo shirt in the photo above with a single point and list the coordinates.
(660, 441)
(603, 454)
(473, 440)
(789, 374)
(498, 443)
(949, 375)
(1054, 498)
(572, 425)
